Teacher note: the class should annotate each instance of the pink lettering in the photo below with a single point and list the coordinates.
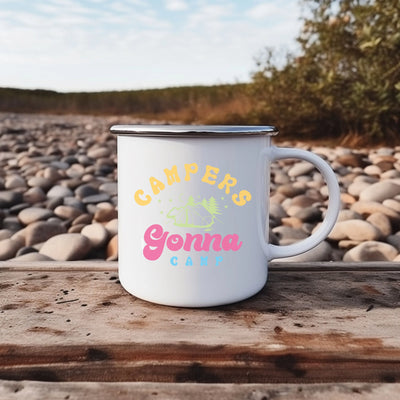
(156, 239)
(216, 239)
(197, 239)
(230, 242)
(175, 242)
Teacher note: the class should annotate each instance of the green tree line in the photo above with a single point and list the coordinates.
(186, 102)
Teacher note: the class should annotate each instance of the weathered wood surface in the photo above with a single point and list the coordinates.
(12, 390)
(319, 323)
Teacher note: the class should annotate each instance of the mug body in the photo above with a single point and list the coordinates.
(192, 217)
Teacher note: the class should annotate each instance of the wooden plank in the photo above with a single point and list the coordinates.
(81, 265)
(101, 265)
(13, 390)
(304, 326)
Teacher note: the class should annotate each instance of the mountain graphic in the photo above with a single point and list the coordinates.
(193, 214)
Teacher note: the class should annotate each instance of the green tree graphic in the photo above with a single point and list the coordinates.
(212, 206)
(195, 215)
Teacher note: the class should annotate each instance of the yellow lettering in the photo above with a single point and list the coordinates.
(140, 201)
(190, 169)
(229, 181)
(156, 185)
(172, 175)
(242, 198)
(209, 174)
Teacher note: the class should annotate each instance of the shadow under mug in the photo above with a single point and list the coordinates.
(193, 211)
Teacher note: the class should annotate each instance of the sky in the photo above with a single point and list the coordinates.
(96, 45)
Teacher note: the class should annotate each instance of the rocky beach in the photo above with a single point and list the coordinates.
(59, 200)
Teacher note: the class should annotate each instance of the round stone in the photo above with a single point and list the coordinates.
(98, 152)
(33, 214)
(84, 160)
(75, 171)
(382, 222)
(346, 214)
(70, 159)
(302, 201)
(348, 244)
(15, 181)
(354, 229)
(105, 214)
(5, 234)
(74, 202)
(394, 240)
(112, 227)
(96, 233)
(279, 177)
(109, 187)
(309, 214)
(77, 228)
(66, 247)
(288, 235)
(371, 251)
(96, 198)
(393, 204)
(34, 195)
(277, 211)
(351, 160)
(85, 191)
(53, 202)
(372, 170)
(9, 198)
(292, 222)
(12, 223)
(356, 188)
(366, 179)
(9, 248)
(15, 210)
(391, 174)
(25, 250)
(52, 174)
(370, 207)
(300, 168)
(83, 219)
(347, 198)
(39, 181)
(59, 165)
(59, 191)
(380, 191)
(289, 190)
(32, 257)
(112, 249)
(41, 231)
(67, 212)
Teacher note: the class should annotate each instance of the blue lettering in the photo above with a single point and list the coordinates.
(174, 261)
(203, 260)
(189, 262)
(218, 260)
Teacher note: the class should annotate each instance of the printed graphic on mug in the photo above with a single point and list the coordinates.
(197, 213)
(201, 214)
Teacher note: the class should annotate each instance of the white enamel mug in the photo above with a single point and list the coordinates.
(193, 211)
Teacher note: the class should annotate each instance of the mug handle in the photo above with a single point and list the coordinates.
(274, 153)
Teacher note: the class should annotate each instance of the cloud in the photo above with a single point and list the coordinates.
(263, 10)
(176, 5)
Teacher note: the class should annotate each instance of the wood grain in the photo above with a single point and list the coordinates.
(312, 325)
(12, 390)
